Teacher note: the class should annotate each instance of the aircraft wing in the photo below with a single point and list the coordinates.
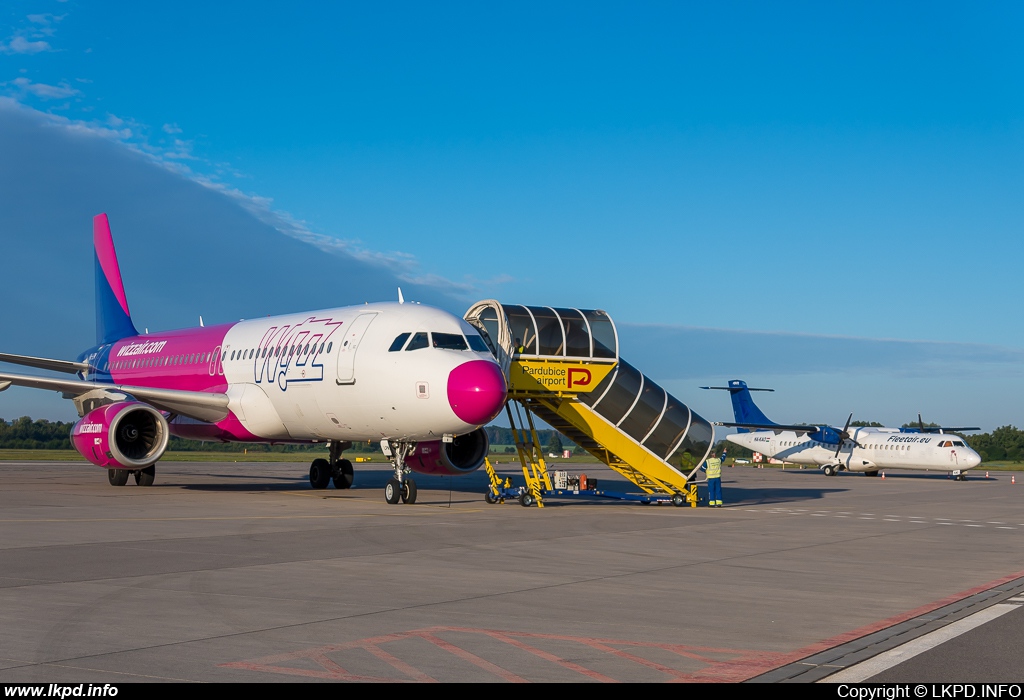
(770, 426)
(200, 405)
(45, 363)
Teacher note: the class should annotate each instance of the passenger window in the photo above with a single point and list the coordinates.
(449, 341)
(398, 342)
(418, 341)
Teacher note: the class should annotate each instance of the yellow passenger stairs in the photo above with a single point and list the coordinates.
(563, 366)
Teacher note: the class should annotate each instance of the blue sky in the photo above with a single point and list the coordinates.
(771, 174)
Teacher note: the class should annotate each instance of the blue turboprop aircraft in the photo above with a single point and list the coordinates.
(859, 449)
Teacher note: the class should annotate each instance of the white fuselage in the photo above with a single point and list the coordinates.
(334, 374)
(880, 448)
(359, 390)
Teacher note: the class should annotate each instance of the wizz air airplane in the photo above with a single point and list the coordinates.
(857, 450)
(416, 378)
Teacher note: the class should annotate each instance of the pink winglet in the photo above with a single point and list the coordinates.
(104, 245)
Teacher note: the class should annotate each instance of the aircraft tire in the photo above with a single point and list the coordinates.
(319, 473)
(393, 491)
(146, 477)
(344, 475)
(117, 477)
(408, 491)
(829, 470)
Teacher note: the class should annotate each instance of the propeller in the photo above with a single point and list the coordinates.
(845, 435)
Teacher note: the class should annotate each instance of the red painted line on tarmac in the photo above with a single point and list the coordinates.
(399, 665)
(773, 660)
(551, 657)
(471, 658)
(743, 664)
(637, 660)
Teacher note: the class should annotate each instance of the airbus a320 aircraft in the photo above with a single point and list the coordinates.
(858, 449)
(418, 379)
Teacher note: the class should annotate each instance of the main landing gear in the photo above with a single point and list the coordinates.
(400, 487)
(322, 471)
(143, 477)
(830, 470)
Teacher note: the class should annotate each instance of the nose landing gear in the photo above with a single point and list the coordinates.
(400, 487)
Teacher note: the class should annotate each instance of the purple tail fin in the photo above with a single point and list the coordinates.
(113, 320)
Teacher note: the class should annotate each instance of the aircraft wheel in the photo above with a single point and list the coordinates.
(117, 477)
(343, 475)
(829, 470)
(526, 499)
(393, 491)
(678, 501)
(319, 473)
(408, 491)
(145, 477)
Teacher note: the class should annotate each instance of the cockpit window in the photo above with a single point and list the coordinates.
(958, 443)
(399, 342)
(418, 341)
(449, 341)
(477, 343)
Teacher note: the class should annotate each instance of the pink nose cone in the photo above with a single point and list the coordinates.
(476, 391)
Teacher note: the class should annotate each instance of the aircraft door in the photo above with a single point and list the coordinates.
(349, 345)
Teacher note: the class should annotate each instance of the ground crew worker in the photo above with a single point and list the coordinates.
(519, 347)
(713, 467)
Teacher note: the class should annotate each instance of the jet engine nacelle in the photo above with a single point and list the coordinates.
(122, 435)
(462, 455)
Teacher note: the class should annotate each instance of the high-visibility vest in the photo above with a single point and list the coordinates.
(714, 468)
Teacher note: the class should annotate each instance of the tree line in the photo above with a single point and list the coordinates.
(1005, 443)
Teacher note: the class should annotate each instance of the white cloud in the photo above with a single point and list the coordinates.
(44, 91)
(404, 266)
(20, 44)
(45, 22)
(182, 151)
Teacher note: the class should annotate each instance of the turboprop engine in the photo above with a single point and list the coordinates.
(122, 435)
(464, 454)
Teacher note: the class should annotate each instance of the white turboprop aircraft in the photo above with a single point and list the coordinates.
(857, 449)
(418, 379)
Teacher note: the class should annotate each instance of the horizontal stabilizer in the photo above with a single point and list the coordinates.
(45, 363)
(200, 405)
(772, 426)
(733, 388)
(933, 429)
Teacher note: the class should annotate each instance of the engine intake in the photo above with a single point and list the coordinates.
(462, 455)
(122, 435)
